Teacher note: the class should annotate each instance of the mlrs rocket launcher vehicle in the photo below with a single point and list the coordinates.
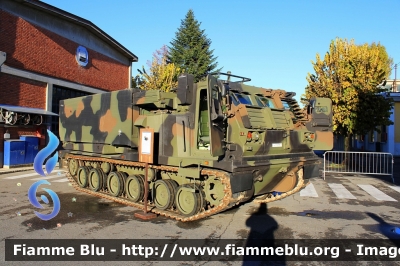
(210, 145)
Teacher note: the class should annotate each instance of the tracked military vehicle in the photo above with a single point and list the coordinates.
(207, 146)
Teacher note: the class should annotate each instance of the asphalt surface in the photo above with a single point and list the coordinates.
(317, 212)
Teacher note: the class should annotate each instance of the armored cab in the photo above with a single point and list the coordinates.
(207, 145)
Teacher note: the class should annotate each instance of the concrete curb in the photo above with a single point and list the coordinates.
(4, 171)
(14, 170)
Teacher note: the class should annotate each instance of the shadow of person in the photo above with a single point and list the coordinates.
(390, 231)
(262, 227)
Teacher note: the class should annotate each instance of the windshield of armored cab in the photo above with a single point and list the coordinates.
(264, 102)
(238, 98)
(321, 109)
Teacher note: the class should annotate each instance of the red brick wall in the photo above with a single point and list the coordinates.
(22, 92)
(35, 49)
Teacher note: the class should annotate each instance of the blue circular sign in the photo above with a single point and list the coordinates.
(82, 56)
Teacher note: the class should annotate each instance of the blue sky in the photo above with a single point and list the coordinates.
(271, 42)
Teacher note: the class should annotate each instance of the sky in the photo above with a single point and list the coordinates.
(270, 42)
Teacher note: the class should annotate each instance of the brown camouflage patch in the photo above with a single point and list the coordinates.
(68, 111)
(79, 109)
(107, 122)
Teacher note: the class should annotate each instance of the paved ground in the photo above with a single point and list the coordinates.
(339, 207)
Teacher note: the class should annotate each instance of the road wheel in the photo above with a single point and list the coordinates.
(83, 176)
(107, 167)
(189, 200)
(73, 166)
(115, 183)
(134, 187)
(96, 179)
(164, 194)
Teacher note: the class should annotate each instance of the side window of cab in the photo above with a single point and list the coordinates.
(265, 102)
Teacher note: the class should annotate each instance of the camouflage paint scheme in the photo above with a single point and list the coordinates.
(316, 116)
(255, 135)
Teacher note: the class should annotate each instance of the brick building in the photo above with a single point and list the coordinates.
(46, 55)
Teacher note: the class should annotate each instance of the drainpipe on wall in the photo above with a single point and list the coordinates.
(3, 57)
(130, 76)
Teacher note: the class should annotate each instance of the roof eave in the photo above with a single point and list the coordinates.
(83, 22)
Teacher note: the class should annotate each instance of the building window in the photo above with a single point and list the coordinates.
(371, 136)
(383, 134)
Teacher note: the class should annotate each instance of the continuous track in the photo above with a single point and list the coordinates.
(227, 201)
(270, 197)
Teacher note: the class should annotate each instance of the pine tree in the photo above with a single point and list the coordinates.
(190, 49)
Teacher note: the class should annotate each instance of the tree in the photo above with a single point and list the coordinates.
(162, 75)
(190, 49)
(350, 75)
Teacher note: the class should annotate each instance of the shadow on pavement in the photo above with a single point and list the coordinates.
(262, 227)
(390, 231)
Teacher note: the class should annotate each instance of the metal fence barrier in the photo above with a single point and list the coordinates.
(348, 162)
